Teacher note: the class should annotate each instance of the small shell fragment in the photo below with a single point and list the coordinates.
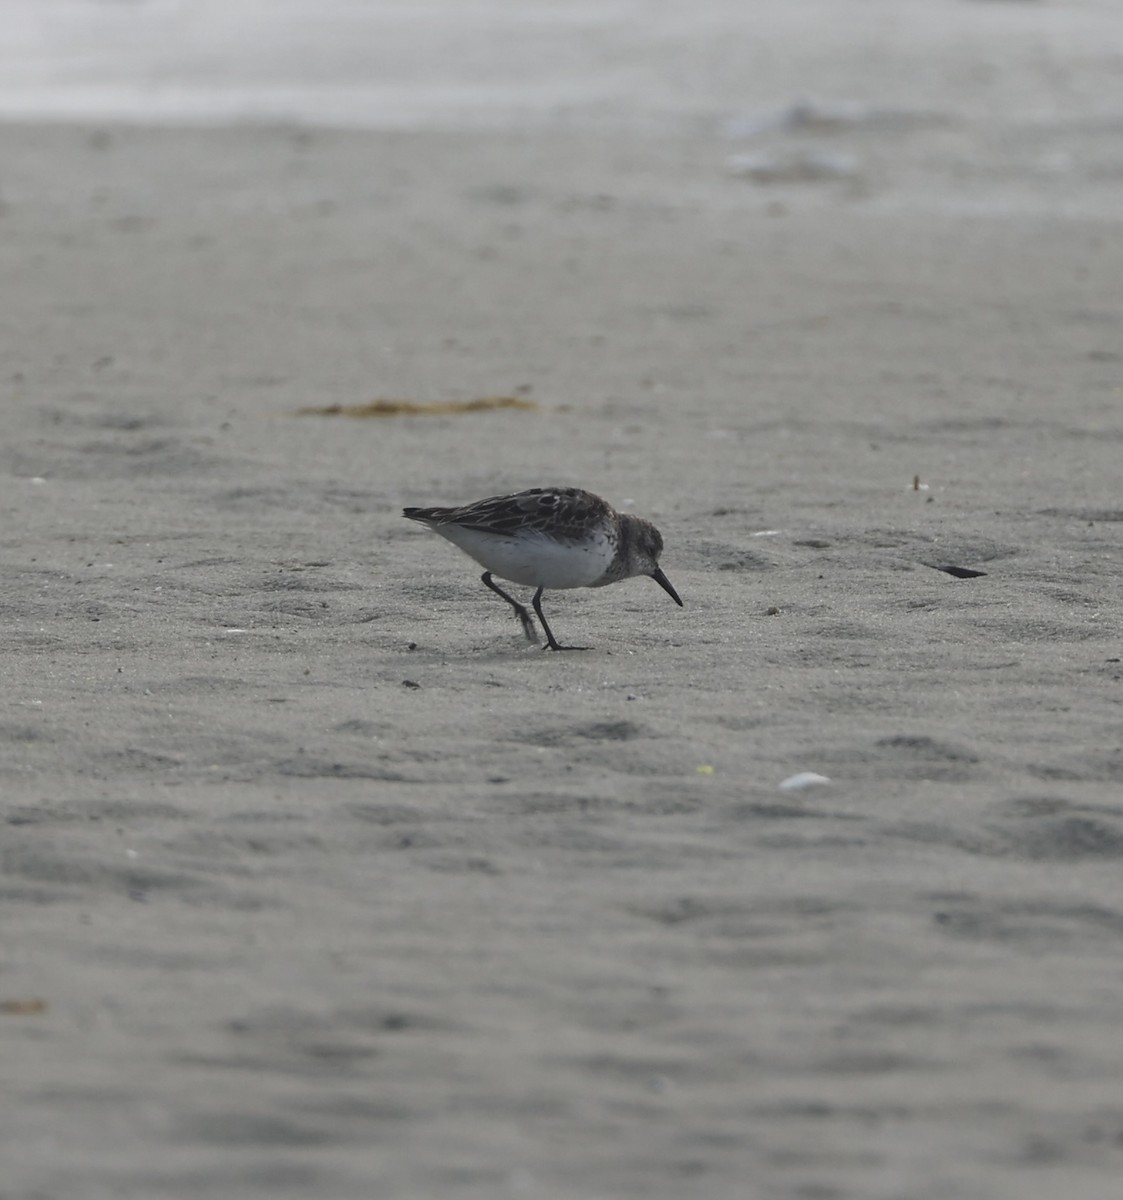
(803, 781)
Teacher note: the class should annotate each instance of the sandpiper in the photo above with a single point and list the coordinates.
(550, 537)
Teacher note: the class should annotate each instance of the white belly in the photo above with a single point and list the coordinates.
(534, 560)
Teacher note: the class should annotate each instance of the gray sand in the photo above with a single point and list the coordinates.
(545, 925)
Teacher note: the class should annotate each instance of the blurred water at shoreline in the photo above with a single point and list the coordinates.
(387, 64)
(1022, 96)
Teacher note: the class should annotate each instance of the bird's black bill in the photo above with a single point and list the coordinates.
(665, 584)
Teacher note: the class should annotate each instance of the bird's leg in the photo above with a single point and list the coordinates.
(520, 609)
(551, 642)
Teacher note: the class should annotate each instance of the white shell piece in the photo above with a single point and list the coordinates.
(803, 781)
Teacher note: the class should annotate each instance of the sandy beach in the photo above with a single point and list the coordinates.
(319, 881)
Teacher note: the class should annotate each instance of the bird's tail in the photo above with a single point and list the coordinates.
(427, 516)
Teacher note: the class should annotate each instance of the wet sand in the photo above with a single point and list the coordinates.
(318, 881)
